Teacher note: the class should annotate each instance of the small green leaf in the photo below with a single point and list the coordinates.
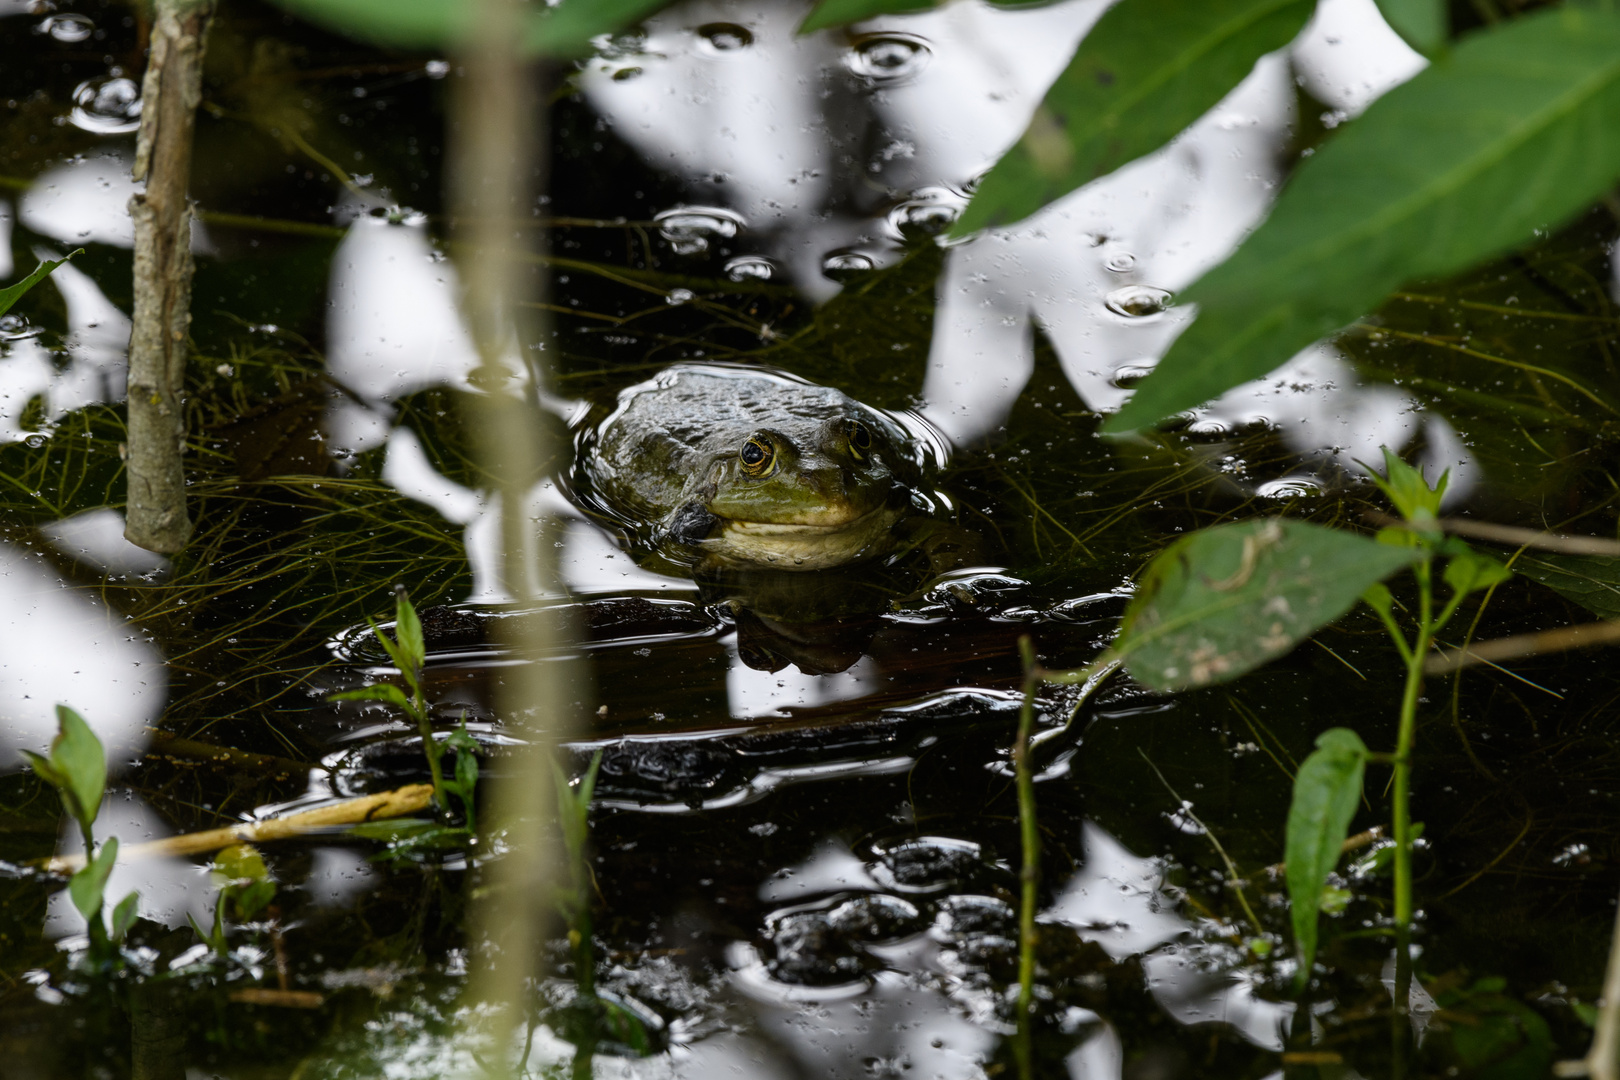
(375, 692)
(13, 293)
(217, 944)
(1225, 600)
(1327, 789)
(1334, 900)
(77, 756)
(1422, 24)
(239, 862)
(46, 772)
(1511, 132)
(408, 629)
(249, 900)
(1379, 598)
(86, 886)
(124, 915)
(1147, 70)
(831, 13)
(1409, 492)
(1471, 571)
(396, 653)
(466, 772)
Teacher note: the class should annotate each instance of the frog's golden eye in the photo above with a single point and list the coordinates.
(860, 440)
(757, 456)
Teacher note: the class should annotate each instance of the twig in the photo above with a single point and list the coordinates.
(1030, 873)
(1232, 874)
(1520, 645)
(157, 518)
(389, 804)
(1602, 1060)
(1511, 535)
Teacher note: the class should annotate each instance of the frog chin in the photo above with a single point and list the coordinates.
(802, 547)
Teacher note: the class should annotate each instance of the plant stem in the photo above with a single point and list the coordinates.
(1403, 751)
(430, 750)
(1029, 875)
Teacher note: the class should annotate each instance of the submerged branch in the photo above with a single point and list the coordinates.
(1522, 645)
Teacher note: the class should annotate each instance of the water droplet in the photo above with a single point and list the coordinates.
(14, 327)
(1121, 262)
(887, 58)
(845, 266)
(436, 69)
(69, 27)
(1137, 301)
(725, 37)
(35, 441)
(1128, 375)
(688, 229)
(1206, 428)
(750, 268)
(107, 105)
(926, 213)
(1290, 487)
(677, 297)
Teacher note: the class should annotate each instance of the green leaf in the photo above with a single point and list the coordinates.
(466, 773)
(249, 900)
(830, 13)
(45, 771)
(1379, 598)
(13, 293)
(1592, 581)
(375, 692)
(86, 886)
(408, 631)
(393, 829)
(1327, 789)
(239, 862)
(394, 651)
(564, 29)
(124, 915)
(1471, 571)
(1422, 24)
(1408, 491)
(77, 756)
(1147, 70)
(1515, 130)
(1225, 600)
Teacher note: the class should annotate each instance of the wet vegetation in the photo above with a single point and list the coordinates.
(784, 843)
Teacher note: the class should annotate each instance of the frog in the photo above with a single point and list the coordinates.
(727, 466)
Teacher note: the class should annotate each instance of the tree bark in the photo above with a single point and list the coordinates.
(156, 516)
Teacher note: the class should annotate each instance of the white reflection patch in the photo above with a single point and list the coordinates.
(95, 538)
(170, 888)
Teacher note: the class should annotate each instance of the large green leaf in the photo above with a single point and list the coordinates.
(1422, 23)
(1592, 581)
(85, 888)
(13, 293)
(1513, 131)
(1227, 599)
(1326, 791)
(1147, 70)
(78, 758)
(830, 13)
(564, 29)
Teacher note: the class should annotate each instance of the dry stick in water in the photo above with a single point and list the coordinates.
(1519, 645)
(1602, 1060)
(156, 513)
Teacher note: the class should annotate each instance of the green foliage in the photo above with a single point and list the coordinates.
(1327, 789)
(1408, 491)
(13, 293)
(1424, 24)
(1223, 601)
(245, 889)
(564, 29)
(1511, 132)
(76, 768)
(1494, 1036)
(1592, 581)
(831, 13)
(1148, 69)
(86, 886)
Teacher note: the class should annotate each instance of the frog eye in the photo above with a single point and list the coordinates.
(860, 439)
(757, 455)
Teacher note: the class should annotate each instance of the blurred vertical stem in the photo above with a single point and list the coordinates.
(497, 132)
(156, 516)
(1029, 875)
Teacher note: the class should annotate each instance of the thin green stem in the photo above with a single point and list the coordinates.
(1029, 875)
(1403, 748)
(430, 746)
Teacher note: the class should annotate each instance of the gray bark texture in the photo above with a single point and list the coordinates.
(156, 516)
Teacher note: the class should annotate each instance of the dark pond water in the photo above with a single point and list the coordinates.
(805, 843)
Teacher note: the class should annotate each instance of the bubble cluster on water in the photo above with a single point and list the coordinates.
(689, 230)
(887, 58)
(70, 28)
(1290, 487)
(1137, 301)
(107, 105)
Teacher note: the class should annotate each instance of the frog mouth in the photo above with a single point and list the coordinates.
(805, 529)
(790, 546)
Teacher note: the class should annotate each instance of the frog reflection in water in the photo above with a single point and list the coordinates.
(751, 480)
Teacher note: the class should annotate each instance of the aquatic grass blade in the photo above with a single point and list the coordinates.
(1327, 789)
(1227, 599)
(1147, 70)
(13, 293)
(1512, 131)
(85, 888)
(1592, 581)
(408, 631)
(393, 695)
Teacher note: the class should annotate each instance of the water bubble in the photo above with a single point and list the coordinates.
(69, 27)
(1290, 487)
(928, 212)
(1206, 428)
(1121, 262)
(14, 327)
(107, 105)
(846, 266)
(689, 229)
(1128, 375)
(1137, 301)
(725, 37)
(35, 441)
(677, 297)
(750, 268)
(436, 69)
(887, 58)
